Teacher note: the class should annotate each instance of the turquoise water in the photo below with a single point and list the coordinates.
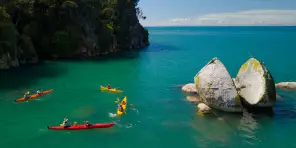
(151, 80)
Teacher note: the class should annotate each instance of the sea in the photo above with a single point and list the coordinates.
(158, 114)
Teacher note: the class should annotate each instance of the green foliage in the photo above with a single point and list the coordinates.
(105, 38)
(4, 16)
(66, 41)
(60, 26)
(109, 26)
(140, 13)
(69, 4)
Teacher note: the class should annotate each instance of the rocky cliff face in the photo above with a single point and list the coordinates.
(14, 49)
(32, 30)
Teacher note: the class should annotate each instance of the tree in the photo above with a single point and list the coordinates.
(62, 26)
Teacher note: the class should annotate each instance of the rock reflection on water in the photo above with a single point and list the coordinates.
(248, 128)
(225, 130)
(209, 129)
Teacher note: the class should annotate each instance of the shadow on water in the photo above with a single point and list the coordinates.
(160, 47)
(259, 112)
(117, 56)
(26, 75)
(285, 110)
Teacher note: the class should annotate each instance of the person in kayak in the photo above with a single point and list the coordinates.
(65, 123)
(87, 123)
(27, 95)
(120, 108)
(109, 86)
(39, 92)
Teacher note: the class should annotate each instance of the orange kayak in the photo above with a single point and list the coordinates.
(34, 96)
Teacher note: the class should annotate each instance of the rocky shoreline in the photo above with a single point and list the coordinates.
(8, 61)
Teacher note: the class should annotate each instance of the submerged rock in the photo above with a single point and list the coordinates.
(286, 85)
(216, 87)
(255, 84)
(203, 108)
(193, 99)
(189, 88)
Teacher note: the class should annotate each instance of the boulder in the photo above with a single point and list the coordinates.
(255, 84)
(216, 87)
(189, 88)
(203, 108)
(286, 85)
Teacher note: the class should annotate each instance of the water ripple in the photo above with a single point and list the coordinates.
(248, 129)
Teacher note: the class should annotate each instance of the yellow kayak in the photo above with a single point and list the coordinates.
(111, 90)
(123, 104)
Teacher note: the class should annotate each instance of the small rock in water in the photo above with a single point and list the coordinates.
(286, 85)
(203, 108)
(189, 88)
(193, 99)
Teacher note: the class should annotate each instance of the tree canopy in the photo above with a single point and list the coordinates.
(61, 27)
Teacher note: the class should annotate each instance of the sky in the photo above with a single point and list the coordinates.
(218, 12)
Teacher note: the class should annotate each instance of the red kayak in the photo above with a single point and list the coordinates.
(81, 126)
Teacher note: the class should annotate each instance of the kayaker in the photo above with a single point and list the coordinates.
(109, 86)
(65, 122)
(120, 108)
(27, 95)
(39, 92)
(87, 123)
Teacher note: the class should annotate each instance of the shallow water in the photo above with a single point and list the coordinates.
(151, 80)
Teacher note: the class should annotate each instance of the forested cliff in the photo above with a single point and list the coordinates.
(31, 30)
